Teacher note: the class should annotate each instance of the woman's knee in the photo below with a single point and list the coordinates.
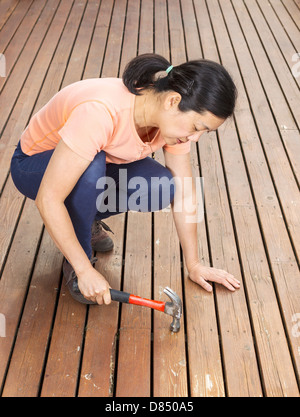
(162, 189)
(150, 186)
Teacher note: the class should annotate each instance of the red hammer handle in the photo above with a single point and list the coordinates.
(125, 297)
(157, 305)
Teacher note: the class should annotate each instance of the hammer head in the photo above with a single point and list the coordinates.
(174, 309)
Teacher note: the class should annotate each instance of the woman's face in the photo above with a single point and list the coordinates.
(177, 126)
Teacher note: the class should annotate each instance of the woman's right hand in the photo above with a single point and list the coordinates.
(94, 287)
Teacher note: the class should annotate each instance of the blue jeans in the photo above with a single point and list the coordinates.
(102, 191)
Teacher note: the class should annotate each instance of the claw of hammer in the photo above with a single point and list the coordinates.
(173, 308)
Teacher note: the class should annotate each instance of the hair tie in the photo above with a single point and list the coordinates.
(169, 69)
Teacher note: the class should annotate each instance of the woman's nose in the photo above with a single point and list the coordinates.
(195, 136)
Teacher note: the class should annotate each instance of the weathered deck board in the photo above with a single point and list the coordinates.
(268, 177)
(6, 9)
(241, 344)
(170, 367)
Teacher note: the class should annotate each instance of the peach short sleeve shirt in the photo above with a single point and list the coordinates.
(90, 116)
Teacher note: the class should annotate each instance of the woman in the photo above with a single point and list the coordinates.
(105, 129)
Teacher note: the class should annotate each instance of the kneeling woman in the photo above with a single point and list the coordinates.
(95, 128)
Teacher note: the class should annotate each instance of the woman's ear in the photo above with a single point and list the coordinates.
(172, 100)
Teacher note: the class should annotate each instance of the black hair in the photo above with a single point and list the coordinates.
(204, 85)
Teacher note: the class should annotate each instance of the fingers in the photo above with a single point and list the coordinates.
(227, 280)
(107, 297)
(234, 282)
(232, 286)
(96, 291)
(228, 285)
(204, 284)
(201, 274)
(102, 298)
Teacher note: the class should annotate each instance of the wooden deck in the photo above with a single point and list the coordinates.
(241, 344)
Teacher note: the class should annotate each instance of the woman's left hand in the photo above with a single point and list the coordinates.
(201, 274)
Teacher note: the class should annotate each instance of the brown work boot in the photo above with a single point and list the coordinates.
(101, 242)
(72, 282)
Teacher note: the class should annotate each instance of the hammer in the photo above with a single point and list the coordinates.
(173, 308)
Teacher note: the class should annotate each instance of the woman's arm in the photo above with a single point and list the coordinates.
(184, 210)
(63, 171)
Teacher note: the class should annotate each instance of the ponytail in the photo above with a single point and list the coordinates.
(140, 72)
(203, 85)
